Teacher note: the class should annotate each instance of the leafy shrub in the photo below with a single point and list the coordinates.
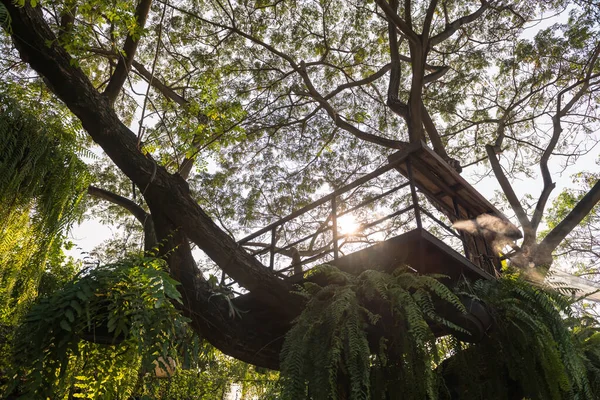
(130, 303)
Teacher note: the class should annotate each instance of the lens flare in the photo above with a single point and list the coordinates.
(347, 224)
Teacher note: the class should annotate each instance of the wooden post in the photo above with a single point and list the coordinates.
(272, 248)
(334, 226)
(413, 192)
(463, 237)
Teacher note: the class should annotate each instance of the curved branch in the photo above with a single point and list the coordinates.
(147, 75)
(556, 132)
(393, 102)
(138, 212)
(437, 74)
(452, 27)
(129, 48)
(397, 21)
(434, 136)
(340, 122)
(301, 69)
(365, 81)
(428, 19)
(135, 210)
(508, 191)
(577, 214)
(188, 162)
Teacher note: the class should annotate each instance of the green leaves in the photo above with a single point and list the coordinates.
(328, 347)
(530, 342)
(41, 184)
(370, 335)
(5, 20)
(129, 303)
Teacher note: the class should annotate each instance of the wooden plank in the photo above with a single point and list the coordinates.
(443, 178)
(398, 158)
(481, 203)
(417, 248)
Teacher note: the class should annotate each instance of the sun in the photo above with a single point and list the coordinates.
(347, 224)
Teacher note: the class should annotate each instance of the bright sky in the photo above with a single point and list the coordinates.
(92, 233)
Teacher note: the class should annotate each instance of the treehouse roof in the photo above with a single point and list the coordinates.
(442, 183)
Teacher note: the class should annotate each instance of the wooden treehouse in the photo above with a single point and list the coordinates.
(405, 221)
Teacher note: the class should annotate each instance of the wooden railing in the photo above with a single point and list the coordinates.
(272, 247)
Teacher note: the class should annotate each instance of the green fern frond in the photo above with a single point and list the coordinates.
(132, 299)
(41, 185)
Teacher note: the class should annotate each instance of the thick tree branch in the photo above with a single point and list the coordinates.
(577, 214)
(340, 122)
(365, 81)
(434, 136)
(129, 48)
(167, 195)
(408, 13)
(138, 212)
(188, 162)
(67, 19)
(397, 21)
(457, 24)
(437, 74)
(147, 75)
(427, 21)
(508, 191)
(246, 337)
(135, 210)
(418, 54)
(161, 87)
(393, 102)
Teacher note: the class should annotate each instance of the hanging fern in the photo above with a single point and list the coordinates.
(586, 334)
(41, 184)
(130, 304)
(370, 337)
(530, 353)
(328, 355)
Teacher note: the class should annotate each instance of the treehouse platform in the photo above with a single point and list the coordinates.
(416, 248)
(401, 215)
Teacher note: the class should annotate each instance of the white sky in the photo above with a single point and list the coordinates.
(92, 233)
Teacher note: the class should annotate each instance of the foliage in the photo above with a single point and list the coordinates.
(215, 376)
(4, 18)
(582, 246)
(41, 183)
(370, 336)
(586, 332)
(530, 351)
(131, 303)
(278, 98)
(329, 342)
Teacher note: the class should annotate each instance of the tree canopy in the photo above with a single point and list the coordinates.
(215, 118)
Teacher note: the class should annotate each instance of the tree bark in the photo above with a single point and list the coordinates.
(129, 48)
(237, 328)
(167, 195)
(138, 212)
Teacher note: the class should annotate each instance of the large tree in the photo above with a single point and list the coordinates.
(282, 98)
